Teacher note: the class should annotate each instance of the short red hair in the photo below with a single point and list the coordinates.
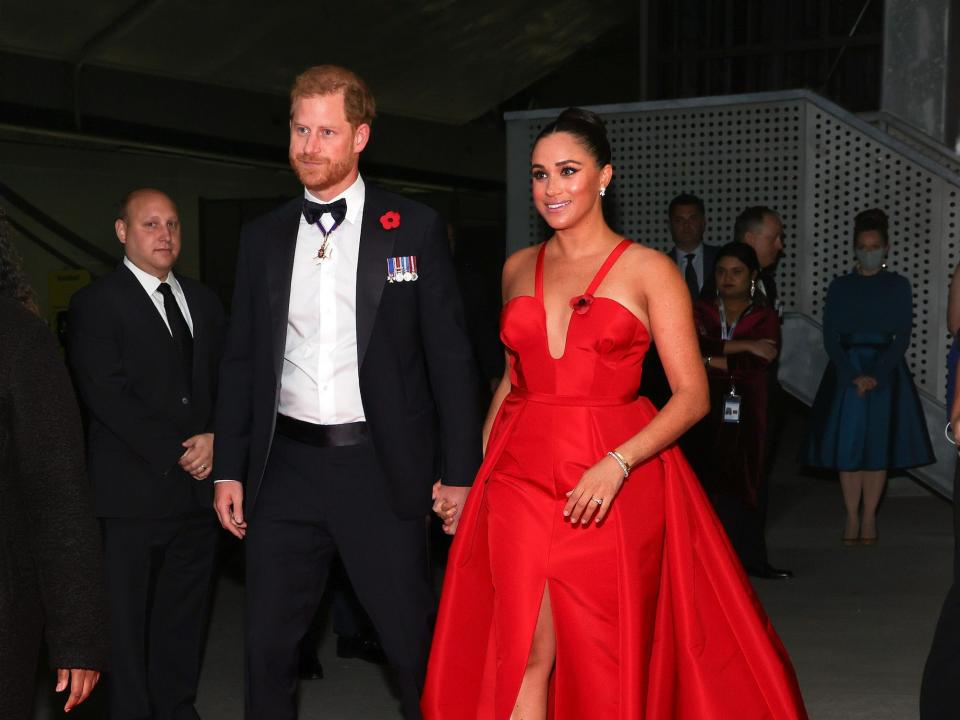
(358, 102)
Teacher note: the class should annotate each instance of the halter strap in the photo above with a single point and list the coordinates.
(538, 275)
(607, 264)
(597, 279)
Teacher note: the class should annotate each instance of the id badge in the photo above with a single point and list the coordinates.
(731, 408)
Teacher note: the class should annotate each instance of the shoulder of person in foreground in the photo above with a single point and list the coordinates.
(274, 221)
(649, 264)
(519, 262)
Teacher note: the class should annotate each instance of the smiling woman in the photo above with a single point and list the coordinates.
(569, 584)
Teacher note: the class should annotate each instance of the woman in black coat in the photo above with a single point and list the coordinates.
(51, 580)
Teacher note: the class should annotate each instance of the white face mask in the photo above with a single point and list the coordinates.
(871, 260)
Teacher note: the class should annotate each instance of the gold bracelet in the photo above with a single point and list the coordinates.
(621, 461)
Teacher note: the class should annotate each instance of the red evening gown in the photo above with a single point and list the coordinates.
(653, 614)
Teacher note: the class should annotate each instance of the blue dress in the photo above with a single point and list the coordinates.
(867, 323)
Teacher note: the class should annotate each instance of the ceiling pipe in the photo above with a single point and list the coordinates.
(133, 15)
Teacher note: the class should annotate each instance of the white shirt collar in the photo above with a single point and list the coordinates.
(682, 254)
(354, 196)
(149, 282)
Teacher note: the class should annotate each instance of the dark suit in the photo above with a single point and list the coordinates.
(939, 697)
(654, 384)
(159, 530)
(367, 501)
(51, 575)
(708, 283)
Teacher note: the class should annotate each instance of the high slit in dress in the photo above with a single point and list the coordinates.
(653, 615)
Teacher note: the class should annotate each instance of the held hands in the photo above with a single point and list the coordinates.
(448, 501)
(198, 459)
(81, 683)
(228, 503)
(765, 348)
(601, 482)
(864, 384)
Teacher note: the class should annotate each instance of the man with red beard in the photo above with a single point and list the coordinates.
(345, 356)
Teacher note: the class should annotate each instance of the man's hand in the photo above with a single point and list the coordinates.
(81, 683)
(448, 501)
(228, 502)
(198, 459)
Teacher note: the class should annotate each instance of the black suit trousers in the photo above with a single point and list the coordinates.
(940, 690)
(159, 576)
(315, 503)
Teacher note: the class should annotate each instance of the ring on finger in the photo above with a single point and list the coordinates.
(598, 501)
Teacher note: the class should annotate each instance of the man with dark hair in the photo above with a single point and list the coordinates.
(144, 346)
(695, 259)
(760, 228)
(688, 222)
(345, 357)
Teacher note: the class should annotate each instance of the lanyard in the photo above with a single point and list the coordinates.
(726, 331)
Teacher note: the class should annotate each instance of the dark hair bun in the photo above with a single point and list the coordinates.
(587, 127)
(581, 115)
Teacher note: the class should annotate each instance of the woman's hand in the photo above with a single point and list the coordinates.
(765, 348)
(600, 483)
(445, 508)
(865, 384)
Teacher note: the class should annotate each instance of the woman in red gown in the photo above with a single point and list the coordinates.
(589, 578)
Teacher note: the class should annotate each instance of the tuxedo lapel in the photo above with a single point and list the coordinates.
(376, 245)
(279, 269)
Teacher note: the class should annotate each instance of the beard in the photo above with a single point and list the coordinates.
(318, 173)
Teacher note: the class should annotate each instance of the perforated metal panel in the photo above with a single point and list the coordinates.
(817, 165)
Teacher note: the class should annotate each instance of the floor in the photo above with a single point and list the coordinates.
(856, 621)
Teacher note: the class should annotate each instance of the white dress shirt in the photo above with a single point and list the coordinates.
(697, 262)
(321, 377)
(150, 285)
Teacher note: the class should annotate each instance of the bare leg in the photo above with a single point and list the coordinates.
(851, 483)
(532, 698)
(874, 482)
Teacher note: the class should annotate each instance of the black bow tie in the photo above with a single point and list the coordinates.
(312, 212)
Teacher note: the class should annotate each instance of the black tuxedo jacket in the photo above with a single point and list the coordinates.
(126, 368)
(417, 374)
(709, 288)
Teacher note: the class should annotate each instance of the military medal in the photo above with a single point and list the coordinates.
(402, 269)
(323, 253)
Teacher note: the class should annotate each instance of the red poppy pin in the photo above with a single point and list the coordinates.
(390, 220)
(581, 304)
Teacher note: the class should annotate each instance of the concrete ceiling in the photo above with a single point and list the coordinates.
(448, 61)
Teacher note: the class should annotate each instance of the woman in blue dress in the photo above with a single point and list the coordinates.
(867, 418)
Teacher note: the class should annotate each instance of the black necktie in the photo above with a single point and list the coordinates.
(180, 331)
(690, 275)
(312, 212)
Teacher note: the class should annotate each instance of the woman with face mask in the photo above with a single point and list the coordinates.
(867, 417)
